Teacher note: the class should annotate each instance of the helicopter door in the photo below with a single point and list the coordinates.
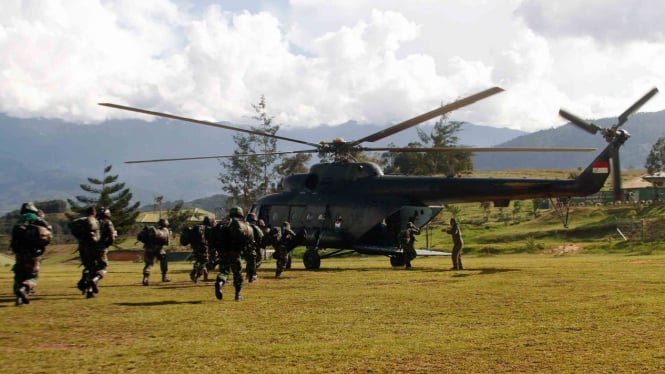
(297, 215)
(263, 213)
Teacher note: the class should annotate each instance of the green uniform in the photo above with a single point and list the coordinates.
(408, 240)
(28, 258)
(238, 238)
(88, 252)
(200, 252)
(456, 234)
(253, 253)
(283, 247)
(99, 256)
(152, 251)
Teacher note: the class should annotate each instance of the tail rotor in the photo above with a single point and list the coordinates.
(614, 135)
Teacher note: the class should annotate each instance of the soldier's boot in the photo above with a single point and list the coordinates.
(93, 283)
(89, 293)
(219, 283)
(81, 286)
(194, 276)
(278, 274)
(165, 278)
(253, 278)
(145, 280)
(205, 274)
(238, 295)
(22, 295)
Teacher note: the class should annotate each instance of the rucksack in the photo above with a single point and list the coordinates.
(80, 227)
(240, 233)
(160, 235)
(153, 236)
(197, 235)
(30, 236)
(184, 236)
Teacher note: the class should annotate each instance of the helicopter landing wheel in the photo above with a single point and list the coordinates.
(311, 259)
(397, 260)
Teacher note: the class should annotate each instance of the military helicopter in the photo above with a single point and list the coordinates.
(343, 205)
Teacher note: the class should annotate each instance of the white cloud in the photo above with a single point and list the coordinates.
(329, 62)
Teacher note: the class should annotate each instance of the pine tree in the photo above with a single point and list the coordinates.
(656, 159)
(107, 192)
(443, 135)
(250, 172)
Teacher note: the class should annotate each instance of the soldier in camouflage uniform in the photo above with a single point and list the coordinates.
(407, 240)
(213, 260)
(238, 239)
(283, 247)
(456, 235)
(253, 254)
(28, 252)
(88, 244)
(98, 256)
(199, 236)
(155, 250)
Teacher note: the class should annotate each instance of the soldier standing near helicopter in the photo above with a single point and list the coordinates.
(407, 240)
(456, 234)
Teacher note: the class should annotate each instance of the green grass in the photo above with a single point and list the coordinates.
(507, 313)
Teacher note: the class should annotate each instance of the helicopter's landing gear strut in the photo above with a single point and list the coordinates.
(311, 259)
(561, 206)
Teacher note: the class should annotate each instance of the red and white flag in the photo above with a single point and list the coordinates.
(601, 167)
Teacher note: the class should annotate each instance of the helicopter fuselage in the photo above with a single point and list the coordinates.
(341, 204)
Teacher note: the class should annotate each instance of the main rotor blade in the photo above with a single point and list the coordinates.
(221, 156)
(584, 125)
(207, 123)
(624, 116)
(427, 116)
(479, 149)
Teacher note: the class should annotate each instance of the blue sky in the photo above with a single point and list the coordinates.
(374, 61)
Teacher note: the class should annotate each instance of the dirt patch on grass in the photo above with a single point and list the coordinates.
(566, 249)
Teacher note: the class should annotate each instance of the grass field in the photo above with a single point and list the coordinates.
(507, 313)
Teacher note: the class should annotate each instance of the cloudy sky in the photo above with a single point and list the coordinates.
(316, 61)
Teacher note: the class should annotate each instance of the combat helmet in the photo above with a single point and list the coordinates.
(163, 222)
(104, 212)
(236, 212)
(29, 207)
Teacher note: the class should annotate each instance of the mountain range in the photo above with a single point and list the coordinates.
(45, 159)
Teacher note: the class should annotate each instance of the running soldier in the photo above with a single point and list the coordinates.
(212, 252)
(153, 248)
(99, 255)
(283, 246)
(237, 238)
(253, 256)
(30, 236)
(86, 230)
(407, 240)
(198, 240)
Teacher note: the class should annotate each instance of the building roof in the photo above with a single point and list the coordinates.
(197, 215)
(635, 183)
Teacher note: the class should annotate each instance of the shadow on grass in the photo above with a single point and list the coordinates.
(483, 271)
(158, 303)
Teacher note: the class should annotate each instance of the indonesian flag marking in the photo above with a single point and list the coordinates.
(601, 167)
